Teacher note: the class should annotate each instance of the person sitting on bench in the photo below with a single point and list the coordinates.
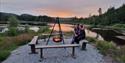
(82, 33)
(79, 34)
(76, 34)
(82, 37)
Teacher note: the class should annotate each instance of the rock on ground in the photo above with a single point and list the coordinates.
(55, 55)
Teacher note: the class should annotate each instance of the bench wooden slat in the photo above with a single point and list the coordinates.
(56, 46)
(34, 40)
(41, 47)
(33, 43)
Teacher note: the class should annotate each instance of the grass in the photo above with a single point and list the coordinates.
(105, 47)
(120, 54)
(121, 26)
(44, 29)
(109, 48)
(7, 44)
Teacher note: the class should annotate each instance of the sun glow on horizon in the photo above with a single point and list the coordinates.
(54, 12)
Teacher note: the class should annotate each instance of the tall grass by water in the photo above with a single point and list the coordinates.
(109, 49)
(7, 44)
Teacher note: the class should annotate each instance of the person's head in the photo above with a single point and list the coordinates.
(81, 27)
(77, 25)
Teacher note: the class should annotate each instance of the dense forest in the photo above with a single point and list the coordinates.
(110, 17)
(24, 17)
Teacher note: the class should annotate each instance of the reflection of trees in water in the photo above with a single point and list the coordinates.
(110, 35)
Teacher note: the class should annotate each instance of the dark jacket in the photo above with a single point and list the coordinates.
(77, 31)
(82, 35)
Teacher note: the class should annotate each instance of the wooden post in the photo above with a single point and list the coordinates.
(41, 53)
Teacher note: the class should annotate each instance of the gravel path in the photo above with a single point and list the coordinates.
(55, 55)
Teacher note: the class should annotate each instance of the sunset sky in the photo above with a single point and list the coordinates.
(61, 8)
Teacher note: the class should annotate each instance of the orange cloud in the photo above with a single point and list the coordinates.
(60, 12)
(54, 12)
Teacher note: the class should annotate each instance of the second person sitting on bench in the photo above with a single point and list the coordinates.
(80, 35)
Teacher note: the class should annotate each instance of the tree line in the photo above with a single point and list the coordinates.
(24, 17)
(110, 17)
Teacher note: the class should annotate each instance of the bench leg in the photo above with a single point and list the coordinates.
(37, 42)
(41, 53)
(33, 51)
(73, 51)
(84, 46)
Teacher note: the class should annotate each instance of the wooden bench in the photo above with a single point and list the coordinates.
(33, 43)
(56, 46)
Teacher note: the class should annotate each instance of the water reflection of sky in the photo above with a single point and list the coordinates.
(68, 28)
(64, 27)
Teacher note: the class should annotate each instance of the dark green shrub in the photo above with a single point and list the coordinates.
(27, 28)
(12, 31)
(13, 21)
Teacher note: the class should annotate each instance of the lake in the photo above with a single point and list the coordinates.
(69, 27)
(105, 34)
(111, 35)
(108, 35)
